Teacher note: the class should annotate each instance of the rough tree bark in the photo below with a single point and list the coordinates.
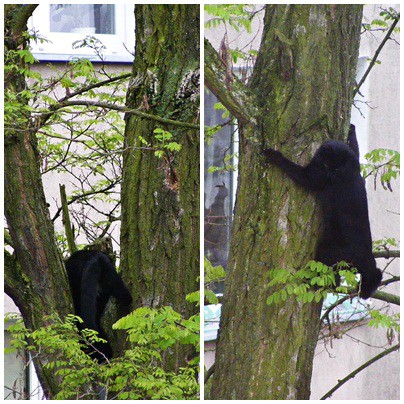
(160, 195)
(160, 214)
(34, 274)
(300, 94)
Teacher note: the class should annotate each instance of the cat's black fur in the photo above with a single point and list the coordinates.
(334, 176)
(93, 280)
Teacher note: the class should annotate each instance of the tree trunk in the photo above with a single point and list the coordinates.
(160, 195)
(34, 274)
(302, 87)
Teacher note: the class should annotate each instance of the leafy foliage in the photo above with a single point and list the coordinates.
(210, 132)
(82, 142)
(220, 107)
(383, 164)
(138, 374)
(236, 16)
(61, 340)
(379, 319)
(227, 164)
(385, 244)
(311, 283)
(163, 143)
(212, 274)
(387, 15)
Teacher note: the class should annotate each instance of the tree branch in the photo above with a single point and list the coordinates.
(387, 254)
(66, 219)
(359, 369)
(209, 373)
(44, 117)
(384, 296)
(229, 90)
(387, 297)
(119, 108)
(390, 280)
(15, 286)
(378, 50)
(85, 195)
(96, 85)
(22, 14)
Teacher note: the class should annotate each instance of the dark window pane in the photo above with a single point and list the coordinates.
(218, 188)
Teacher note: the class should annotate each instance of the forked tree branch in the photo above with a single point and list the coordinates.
(233, 94)
(45, 116)
(76, 198)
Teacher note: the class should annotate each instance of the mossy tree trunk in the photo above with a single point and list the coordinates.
(34, 273)
(160, 195)
(300, 94)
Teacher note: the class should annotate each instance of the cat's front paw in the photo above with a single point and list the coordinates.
(271, 155)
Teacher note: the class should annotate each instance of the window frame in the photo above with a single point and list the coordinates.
(59, 47)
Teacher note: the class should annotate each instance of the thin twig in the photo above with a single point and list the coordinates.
(359, 369)
(378, 50)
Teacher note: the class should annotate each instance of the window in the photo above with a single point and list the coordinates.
(63, 24)
(82, 18)
(20, 380)
(219, 187)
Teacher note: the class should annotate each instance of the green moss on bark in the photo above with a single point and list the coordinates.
(303, 81)
(34, 274)
(160, 196)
